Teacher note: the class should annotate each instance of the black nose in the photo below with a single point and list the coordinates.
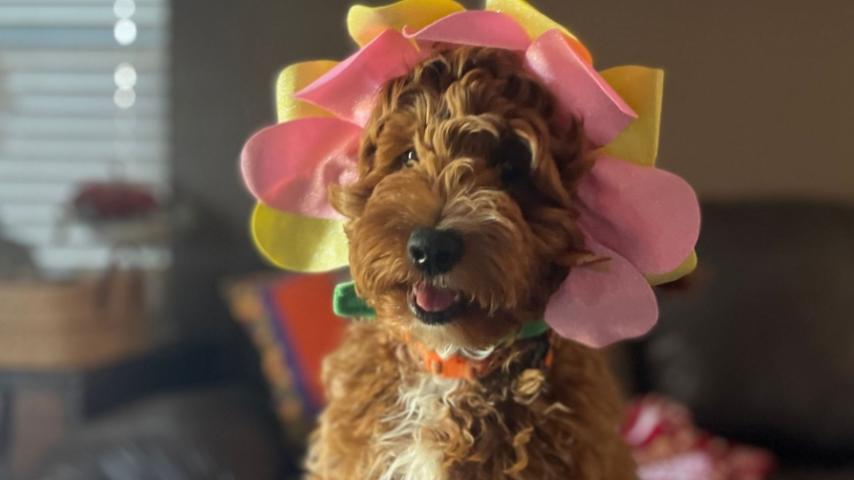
(434, 251)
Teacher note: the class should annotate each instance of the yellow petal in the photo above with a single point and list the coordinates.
(535, 23)
(641, 88)
(299, 243)
(685, 268)
(293, 79)
(364, 23)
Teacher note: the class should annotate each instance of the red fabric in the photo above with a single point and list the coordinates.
(668, 446)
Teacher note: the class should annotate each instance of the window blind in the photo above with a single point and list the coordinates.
(83, 96)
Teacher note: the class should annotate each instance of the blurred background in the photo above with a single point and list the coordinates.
(142, 337)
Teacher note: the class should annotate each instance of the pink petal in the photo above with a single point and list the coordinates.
(581, 92)
(289, 166)
(475, 27)
(650, 216)
(348, 89)
(602, 303)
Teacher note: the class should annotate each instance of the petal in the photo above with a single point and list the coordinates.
(685, 268)
(641, 88)
(649, 216)
(366, 23)
(298, 243)
(293, 79)
(289, 166)
(580, 91)
(601, 303)
(536, 24)
(478, 28)
(348, 90)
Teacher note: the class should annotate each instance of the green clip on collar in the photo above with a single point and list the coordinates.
(346, 303)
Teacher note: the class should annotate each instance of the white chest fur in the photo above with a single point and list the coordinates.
(409, 453)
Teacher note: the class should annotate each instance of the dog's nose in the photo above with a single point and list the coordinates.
(434, 251)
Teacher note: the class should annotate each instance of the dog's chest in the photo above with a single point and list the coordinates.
(409, 449)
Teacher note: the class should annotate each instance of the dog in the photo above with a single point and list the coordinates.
(462, 222)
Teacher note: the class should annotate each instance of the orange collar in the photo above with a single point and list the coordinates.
(455, 366)
(461, 367)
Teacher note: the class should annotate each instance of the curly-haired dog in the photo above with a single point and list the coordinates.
(462, 223)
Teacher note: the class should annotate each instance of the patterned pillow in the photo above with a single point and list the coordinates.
(290, 319)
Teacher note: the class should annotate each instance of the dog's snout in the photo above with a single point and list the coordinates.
(434, 251)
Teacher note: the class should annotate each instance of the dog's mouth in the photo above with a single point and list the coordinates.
(435, 305)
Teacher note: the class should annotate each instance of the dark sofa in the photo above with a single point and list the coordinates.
(759, 342)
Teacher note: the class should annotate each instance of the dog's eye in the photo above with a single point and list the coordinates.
(512, 158)
(408, 158)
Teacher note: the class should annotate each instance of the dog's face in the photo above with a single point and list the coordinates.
(462, 220)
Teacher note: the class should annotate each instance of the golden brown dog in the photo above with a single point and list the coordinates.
(462, 223)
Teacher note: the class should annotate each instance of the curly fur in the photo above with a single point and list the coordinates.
(495, 165)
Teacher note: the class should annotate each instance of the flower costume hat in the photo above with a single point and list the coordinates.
(644, 220)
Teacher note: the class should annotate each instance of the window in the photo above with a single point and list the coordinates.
(83, 97)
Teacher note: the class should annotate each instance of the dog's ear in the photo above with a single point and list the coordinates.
(513, 158)
(527, 158)
(574, 154)
(349, 200)
(549, 163)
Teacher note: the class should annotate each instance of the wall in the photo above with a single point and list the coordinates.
(758, 94)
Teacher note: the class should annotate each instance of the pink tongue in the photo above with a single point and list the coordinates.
(433, 299)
